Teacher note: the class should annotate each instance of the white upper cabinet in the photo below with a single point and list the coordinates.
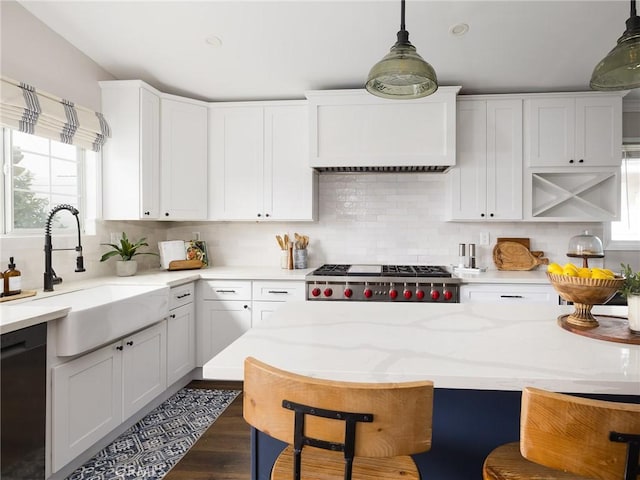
(155, 163)
(352, 128)
(486, 183)
(131, 158)
(183, 160)
(565, 130)
(258, 167)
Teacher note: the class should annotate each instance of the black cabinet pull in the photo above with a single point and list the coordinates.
(184, 295)
(278, 291)
(571, 161)
(119, 347)
(266, 215)
(511, 296)
(245, 306)
(166, 214)
(173, 315)
(147, 213)
(491, 215)
(225, 291)
(482, 215)
(130, 343)
(581, 161)
(259, 215)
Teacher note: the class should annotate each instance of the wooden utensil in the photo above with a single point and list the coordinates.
(515, 256)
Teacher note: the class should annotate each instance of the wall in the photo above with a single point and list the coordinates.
(33, 53)
(380, 218)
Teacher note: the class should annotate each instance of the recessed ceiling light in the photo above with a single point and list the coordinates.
(459, 29)
(214, 41)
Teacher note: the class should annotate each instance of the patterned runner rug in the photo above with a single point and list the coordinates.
(150, 448)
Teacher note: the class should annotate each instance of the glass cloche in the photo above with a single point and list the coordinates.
(585, 246)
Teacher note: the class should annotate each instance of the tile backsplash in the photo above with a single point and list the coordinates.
(378, 218)
(363, 218)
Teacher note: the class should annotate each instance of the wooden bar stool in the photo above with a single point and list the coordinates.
(346, 429)
(567, 437)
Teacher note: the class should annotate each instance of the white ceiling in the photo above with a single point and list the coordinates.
(280, 49)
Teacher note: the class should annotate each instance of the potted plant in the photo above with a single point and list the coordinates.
(127, 266)
(631, 290)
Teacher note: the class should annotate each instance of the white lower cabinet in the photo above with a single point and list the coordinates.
(181, 333)
(269, 296)
(511, 294)
(226, 309)
(96, 392)
(223, 313)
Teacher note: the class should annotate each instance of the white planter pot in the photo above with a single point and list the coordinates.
(126, 268)
(633, 302)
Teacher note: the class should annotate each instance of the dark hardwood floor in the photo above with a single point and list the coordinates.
(223, 452)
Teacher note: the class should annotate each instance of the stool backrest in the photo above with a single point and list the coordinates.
(572, 433)
(402, 412)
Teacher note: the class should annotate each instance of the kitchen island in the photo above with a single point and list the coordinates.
(478, 356)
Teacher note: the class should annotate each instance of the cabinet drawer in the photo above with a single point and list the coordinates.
(508, 294)
(283, 291)
(181, 295)
(225, 290)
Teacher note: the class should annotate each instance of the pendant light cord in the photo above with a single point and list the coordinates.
(633, 8)
(402, 26)
(403, 35)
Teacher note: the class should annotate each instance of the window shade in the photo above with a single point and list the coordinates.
(39, 113)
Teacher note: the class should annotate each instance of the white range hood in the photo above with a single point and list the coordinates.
(354, 131)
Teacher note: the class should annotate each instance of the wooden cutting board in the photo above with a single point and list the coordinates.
(515, 256)
(22, 294)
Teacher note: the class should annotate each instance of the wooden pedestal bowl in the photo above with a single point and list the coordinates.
(584, 293)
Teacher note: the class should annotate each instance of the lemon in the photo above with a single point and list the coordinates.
(554, 268)
(584, 272)
(601, 273)
(570, 270)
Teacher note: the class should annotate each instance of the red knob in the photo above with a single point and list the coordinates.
(348, 292)
(407, 293)
(328, 292)
(393, 293)
(435, 294)
(419, 294)
(368, 293)
(448, 294)
(315, 292)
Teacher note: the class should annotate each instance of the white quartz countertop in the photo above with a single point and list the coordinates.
(24, 312)
(500, 276)
(460, 346)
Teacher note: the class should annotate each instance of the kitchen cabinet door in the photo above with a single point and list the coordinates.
(258, 167)
(573, 130)
(290, 185)
(219, 324)
(183, 155)
(144, 367)
(181, 342)
(131, 157)
(486, 183)
(236, 162)
(86, 402)
(511, 294)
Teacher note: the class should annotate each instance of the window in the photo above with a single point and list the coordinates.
(40, 173)
(625, 234)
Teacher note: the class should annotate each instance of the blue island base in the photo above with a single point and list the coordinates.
(467, 426)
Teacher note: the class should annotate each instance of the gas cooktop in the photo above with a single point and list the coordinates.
(346, 270)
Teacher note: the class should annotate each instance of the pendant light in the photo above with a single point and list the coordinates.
(402, 73)
(620, 69)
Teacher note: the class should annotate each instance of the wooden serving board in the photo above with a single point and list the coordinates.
(22, 294)
(611, 329)
(185, 264)
(524, 241)
(515, 256)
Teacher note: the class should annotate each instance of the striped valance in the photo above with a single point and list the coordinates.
(29, 110)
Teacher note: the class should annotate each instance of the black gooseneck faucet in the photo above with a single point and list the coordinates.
(50, 277)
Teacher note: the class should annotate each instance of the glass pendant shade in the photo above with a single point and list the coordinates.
(402, 73)
(620, 69)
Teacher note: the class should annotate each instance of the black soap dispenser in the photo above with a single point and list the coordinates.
(12, 280)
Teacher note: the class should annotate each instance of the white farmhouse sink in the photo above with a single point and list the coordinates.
(101, 314)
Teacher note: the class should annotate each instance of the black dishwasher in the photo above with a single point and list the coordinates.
(23, 378)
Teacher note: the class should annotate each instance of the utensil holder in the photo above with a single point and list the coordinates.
(284, 259)
(300, 258)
